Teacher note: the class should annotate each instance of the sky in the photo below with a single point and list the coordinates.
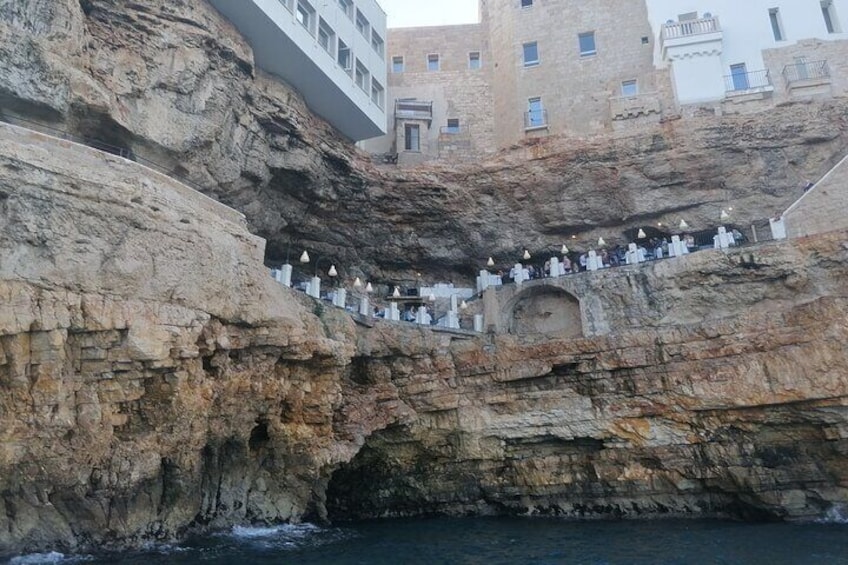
(409, 13)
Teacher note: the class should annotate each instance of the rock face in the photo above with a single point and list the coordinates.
(714, 384)
(174, 82)
(155, 381)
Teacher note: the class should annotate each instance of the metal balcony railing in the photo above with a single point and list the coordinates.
(814, 70)
(686, 28)
(414, 109)
(753, 80)
(535, 119)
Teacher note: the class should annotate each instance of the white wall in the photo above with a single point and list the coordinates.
(746, 26)
(282, 46)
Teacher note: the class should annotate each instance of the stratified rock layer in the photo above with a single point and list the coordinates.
(173, 81)
(154, 380)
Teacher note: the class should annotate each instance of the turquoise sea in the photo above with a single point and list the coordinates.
(491, 541)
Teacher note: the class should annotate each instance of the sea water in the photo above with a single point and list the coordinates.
(493, 541)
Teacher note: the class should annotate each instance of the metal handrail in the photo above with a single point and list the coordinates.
(99, 145)
(535, 119)
(806, 71)
(747, 81)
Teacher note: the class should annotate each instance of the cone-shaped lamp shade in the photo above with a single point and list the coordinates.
(369, 288)
(432, 297)
(683, 225)
(641, 234)
(601, 242)
(724, 215)
(564, 249)
(396, 293)
(490, 262)
(304, 257)
(526, 255)
(357, 283)
(463, 305)
(332, 272)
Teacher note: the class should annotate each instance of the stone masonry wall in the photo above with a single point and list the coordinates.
(456, 90)
(811, 50)
(823, 208)
(575, 90)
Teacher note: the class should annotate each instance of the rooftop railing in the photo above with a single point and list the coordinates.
(688, 28)
(814, 70)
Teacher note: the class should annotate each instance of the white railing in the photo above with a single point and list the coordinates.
(686, 28)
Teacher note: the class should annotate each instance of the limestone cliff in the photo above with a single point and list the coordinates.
(174, 82)
(155, 381)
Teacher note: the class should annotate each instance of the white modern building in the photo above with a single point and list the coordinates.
(332, 51)
(717, 48)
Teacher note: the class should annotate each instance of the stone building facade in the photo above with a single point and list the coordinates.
(440, 87)
(579, 69)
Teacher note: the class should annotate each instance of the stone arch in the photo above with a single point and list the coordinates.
(544, 309)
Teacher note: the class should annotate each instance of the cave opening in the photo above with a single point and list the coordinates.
(259, 436)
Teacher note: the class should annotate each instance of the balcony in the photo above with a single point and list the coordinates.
(688, 34)
(816, 71)
(535, 119)
(413, 110)
(688, 28)
(635, 106)
(738, 83)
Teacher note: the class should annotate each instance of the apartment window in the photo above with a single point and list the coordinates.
(378, 94)
(526, 3)
(326, 37)
(347, 7)
(739, 76)
(776, 24)
(474, 60)
(831, 22)
(453, 125)
(531, 54)
(397, 64)
(361, 76)
(306, 15)
(343, 56)
(432, 62)
(587, 43)
(535, 113)
(629, 88)
(362, 24)
(412, 137)
(286, 4)
(377, 43)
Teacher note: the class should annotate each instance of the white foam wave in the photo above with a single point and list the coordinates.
(284, 530)
(835, 515)
(37, 558)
